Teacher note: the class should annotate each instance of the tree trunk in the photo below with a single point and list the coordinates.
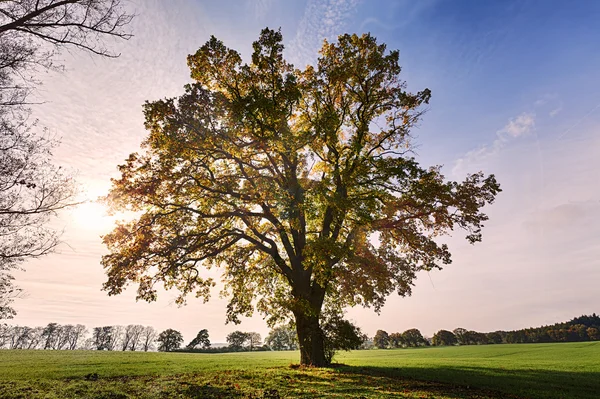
(310, 339)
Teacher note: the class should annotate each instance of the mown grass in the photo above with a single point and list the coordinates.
(496, 371)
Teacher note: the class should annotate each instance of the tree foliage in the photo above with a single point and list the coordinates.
(237, 340)
(381, 339)
(340, 334)
(53, 337)
(282, 338)
(462, 335)
(413, 337)
(169, 340)
(444, 338)
(300, 184)
(582, 328)
(201, 340)
(396, 340)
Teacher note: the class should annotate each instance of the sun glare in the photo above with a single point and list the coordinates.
(93, 216)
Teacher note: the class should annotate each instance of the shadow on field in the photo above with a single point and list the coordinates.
(364, 383)
(499, 382)
(206, 391)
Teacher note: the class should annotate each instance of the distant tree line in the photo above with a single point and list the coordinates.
(409, 338)
(340, 334)
(54, 336)
(279, 338)
(583, 328)
(135, 337)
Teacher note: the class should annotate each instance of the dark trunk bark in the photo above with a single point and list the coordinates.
(311, 341)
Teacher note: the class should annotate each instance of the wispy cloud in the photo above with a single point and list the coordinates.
(517, 127)
(402, 13)
(550, 101)
(564, 217)
(555, 111)
(260, 8)
(322, 20)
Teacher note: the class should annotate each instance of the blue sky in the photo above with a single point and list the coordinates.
(516, 92)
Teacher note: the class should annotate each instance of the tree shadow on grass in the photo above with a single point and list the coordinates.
(319, 383)
(355, 384)
(495, 382)
(207, 391)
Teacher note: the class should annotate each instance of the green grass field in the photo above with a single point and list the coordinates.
(570, 370)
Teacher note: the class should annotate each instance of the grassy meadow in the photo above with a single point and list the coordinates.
(568, 370)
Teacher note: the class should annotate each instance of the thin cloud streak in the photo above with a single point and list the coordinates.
(516, 127)
(322, 19)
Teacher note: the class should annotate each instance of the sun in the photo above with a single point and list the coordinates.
(92, 215)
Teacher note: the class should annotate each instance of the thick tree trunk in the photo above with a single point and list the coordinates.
(311, 340)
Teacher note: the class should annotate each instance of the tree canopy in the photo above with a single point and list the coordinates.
(282, 338)
(413, 337)
(381, 339)
(169, 340)
(238, 339)
(201, 339)
(444, 338)
(299, 184)
(340, 334)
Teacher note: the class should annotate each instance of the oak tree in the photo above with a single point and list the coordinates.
(201, 339)
(413, 337)
(300, 185)
(444, 338)
(381, 339)
(462, 335)
(237, 340)
(282, 338)
(396, 340)
(169, 340)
